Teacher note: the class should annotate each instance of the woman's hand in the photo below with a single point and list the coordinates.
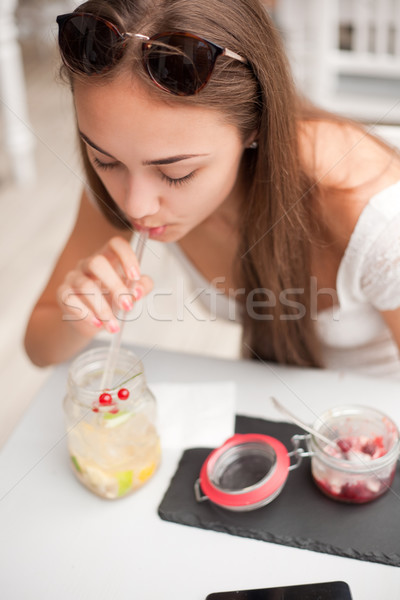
(101, 285)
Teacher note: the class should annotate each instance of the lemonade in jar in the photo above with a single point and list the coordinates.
(112, 437)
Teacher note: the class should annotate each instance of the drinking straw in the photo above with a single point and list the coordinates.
(115, 344)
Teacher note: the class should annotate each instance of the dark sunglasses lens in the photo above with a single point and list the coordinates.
(181, 63)
(89, 44)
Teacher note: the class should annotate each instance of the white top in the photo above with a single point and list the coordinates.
(353, 334)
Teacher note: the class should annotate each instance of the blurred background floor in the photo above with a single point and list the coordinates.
(35, 219)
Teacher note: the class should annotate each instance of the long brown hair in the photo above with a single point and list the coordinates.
(274, 256)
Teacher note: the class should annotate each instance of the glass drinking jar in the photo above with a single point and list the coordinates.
(112, 437)
(363, 466)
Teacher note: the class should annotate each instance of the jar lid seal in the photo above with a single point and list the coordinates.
(247, 471)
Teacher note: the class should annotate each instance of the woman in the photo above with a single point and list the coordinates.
(198, 138)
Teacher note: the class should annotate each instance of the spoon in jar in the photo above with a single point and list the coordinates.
(305, 426)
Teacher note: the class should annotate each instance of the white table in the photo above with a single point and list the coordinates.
(60, 541)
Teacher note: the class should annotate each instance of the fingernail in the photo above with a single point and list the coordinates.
(113, 326)
(96, 322)
(126, 304)
(134, 274)
(138, 293)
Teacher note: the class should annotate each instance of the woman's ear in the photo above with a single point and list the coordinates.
(251, 142)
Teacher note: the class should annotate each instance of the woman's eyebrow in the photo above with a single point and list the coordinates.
(171, 159)
(93, 145)
(158, 161)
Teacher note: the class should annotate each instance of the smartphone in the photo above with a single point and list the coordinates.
(332, 590)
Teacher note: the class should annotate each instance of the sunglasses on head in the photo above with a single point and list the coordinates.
(180, 63)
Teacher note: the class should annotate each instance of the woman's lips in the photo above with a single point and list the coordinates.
(156, 231)
(152, 231)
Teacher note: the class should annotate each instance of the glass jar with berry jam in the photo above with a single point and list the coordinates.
(362, 465)
(112, 437)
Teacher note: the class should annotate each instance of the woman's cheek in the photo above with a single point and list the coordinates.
(114, 186)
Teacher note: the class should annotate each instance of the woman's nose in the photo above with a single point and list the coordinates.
(141, 197)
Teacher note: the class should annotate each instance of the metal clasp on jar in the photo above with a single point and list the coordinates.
(200, 497)
(298, 453)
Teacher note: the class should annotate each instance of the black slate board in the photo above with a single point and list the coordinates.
(301, 516)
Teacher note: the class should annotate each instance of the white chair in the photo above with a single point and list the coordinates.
(345, 54)
(19, 139)
(35, 19)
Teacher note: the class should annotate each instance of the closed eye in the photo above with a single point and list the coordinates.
(104, 166)
(170, 180)
(179, 180)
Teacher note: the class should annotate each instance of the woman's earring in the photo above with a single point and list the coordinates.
(253, 145)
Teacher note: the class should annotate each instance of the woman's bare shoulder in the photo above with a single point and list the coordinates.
(351, 166)
(343, 154)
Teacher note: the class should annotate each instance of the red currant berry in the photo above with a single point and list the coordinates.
(344, 445)
(369, 448)
(113, 411)
(105, 399)
(123, 394)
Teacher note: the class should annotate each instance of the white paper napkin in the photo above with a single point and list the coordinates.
(195, 414)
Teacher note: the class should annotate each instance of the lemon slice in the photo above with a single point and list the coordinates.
(76, 464)
(113, 420)
(125, 480)
(147, 472)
